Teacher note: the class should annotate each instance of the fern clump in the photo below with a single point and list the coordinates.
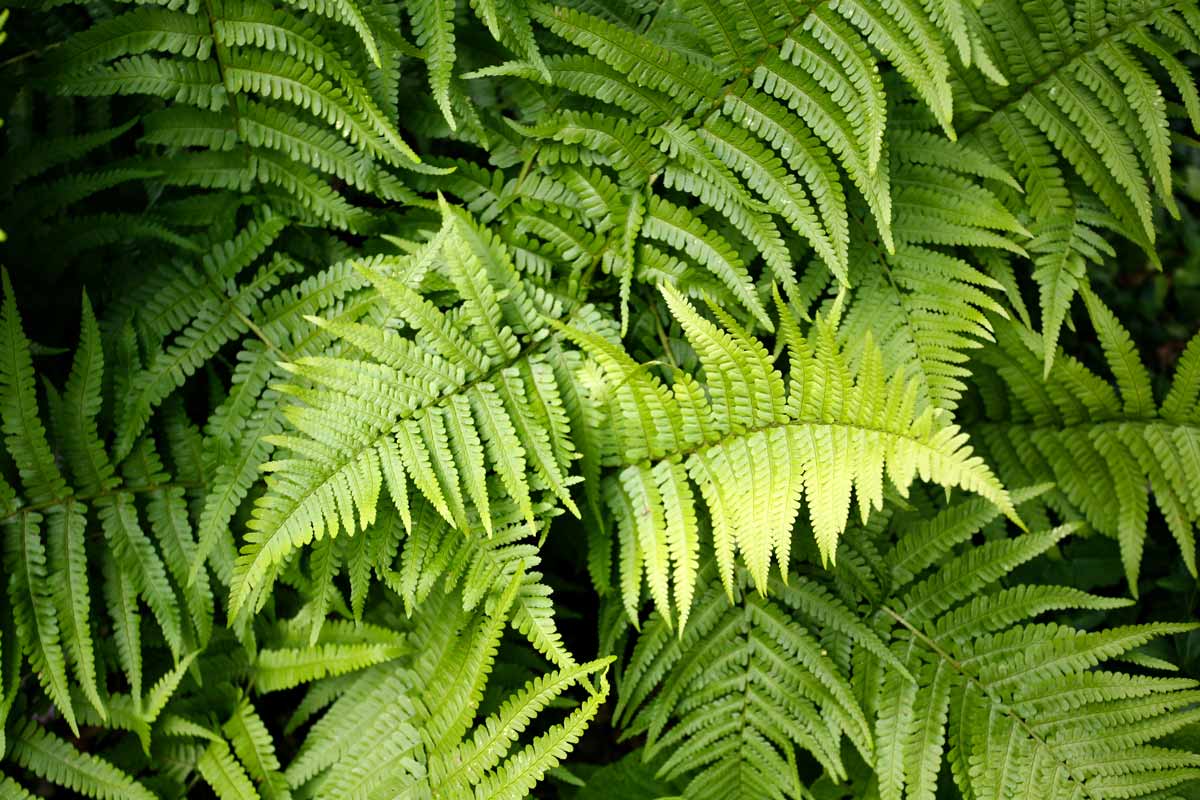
(645, 399)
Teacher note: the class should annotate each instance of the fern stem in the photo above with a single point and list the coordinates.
(219, 56)
(28, 54)
(101, 495)
(257, 331)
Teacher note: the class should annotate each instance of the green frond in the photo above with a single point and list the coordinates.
(121, 601)
(726, 703)
(644, 62)
(33, 607)
(433, 24)
(24, 434)
(33, 161)
(1133, 381)
(170, 526)
(56, 761)
(143, 30)
(1029, 699)
(822, 437)
(125, 521)
(1130, 450)
(471, 394)
(214, 310)
(285, 667)
(409, 725)
(769, 295)
(349, 14)
(12, 789)
(240, 430)
(1084, 94)
(225, 775)
(928, 308)
(256, 750)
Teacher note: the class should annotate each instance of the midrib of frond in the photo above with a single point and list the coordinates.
(700, 449)
(746, 623)
(1068, 61)
(1004, 708)
(69, 498)
(220, 56)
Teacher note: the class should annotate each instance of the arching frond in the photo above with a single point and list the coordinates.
(926, 307)
(407, 726)
(754, 445)
(470, 393)
(144, 537)
(726, 704)
(1108, 450)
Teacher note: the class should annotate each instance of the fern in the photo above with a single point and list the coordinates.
(262, 91)
(726, 702)
(1080, 100)
(755, 129)
(1002, 698)
(927, 307)
(47, 547)
(412, 717)
(959, 679)
(56, 761)
(1133, 446)
(399, 318)
(754, 446)
(467, 397)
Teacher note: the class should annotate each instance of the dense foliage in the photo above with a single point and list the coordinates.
(629, 399)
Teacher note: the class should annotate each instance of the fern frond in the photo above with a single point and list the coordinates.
(1028, 699)
(128, 515)
(1083, 95)
(53, 759)
(419, 410)
(215, 313)
(1109, 451)
(727, 702)
(266, 93)
(224, 774)
(407, 725)
(754, 446)
(255, 749)
(927, 308)
(278, 668)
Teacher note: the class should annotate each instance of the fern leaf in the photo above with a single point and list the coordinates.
(451, 373)
(255, 750)
(226, 776)
(433, 24)
(51, 758)
(520, 773)
(121, 599)
(25, 436)
(34, 612)
(819, 442)
(1074, 418)
(68, 575)
(278, 669)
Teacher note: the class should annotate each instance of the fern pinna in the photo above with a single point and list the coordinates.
(573, 400)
